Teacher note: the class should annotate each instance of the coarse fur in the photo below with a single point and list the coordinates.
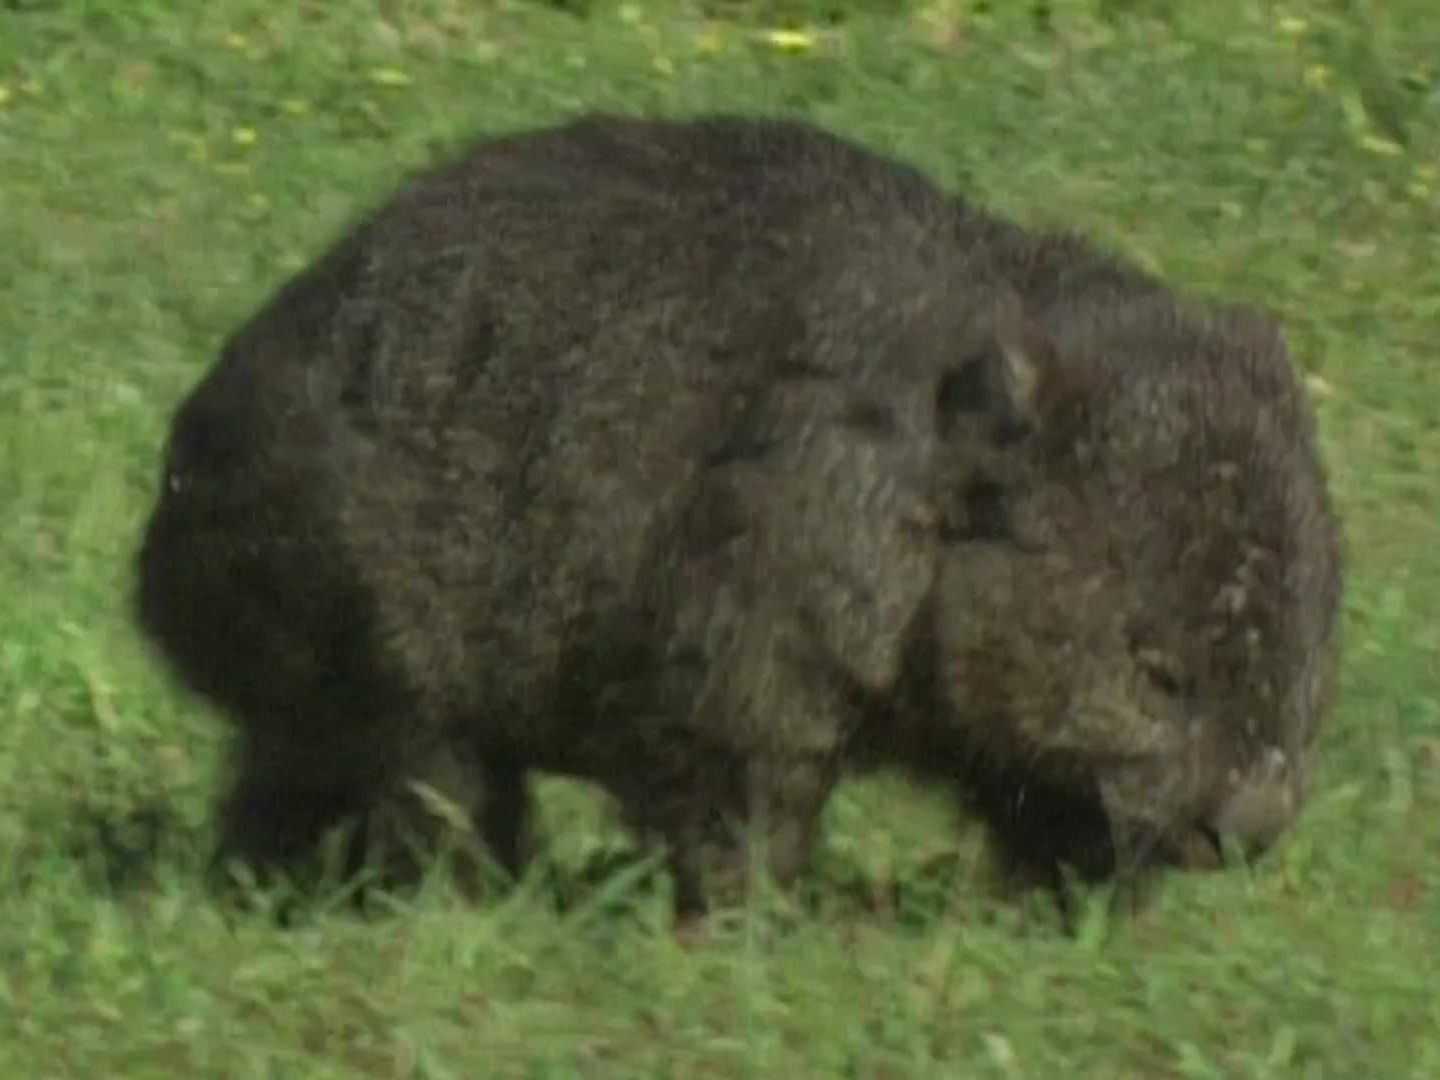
(711, 459)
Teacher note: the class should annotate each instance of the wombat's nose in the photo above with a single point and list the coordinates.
(1260, 805)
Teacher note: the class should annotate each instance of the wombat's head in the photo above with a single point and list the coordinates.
(1141, 584)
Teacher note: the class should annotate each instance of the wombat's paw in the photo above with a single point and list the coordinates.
(258, 869)
(757, 916)
(278, 892)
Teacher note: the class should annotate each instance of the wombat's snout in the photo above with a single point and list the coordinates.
(1258, 806)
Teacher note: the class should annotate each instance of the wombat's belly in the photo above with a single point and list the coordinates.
(514, 600)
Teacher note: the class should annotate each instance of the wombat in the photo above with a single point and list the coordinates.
(712, 459)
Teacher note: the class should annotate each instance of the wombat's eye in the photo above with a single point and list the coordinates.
(987, 512)
(1164, 671)
(981, 511)
(175, 483)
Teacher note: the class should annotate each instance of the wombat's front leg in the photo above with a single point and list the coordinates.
(720, 824)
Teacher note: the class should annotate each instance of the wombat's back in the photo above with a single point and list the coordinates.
(436, 456)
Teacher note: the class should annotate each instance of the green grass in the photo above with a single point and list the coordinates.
(162, 169)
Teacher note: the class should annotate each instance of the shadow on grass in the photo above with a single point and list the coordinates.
(116, 851)
(129, 854)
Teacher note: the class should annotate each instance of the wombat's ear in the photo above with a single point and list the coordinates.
(1257, 337)
(1008, 383)
(1253, 323)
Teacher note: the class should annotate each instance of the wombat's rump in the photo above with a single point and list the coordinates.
(707, 459)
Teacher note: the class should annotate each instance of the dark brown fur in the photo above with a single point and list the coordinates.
(710, 460)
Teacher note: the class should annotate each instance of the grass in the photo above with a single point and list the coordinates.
(161, 172)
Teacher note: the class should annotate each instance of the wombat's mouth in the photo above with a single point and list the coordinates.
(1203, 848)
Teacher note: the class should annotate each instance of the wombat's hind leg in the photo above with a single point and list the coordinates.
(386, 828)
(271, 830)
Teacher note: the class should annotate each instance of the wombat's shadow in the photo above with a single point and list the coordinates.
(125, 853)
(119, 850)
(622, 882)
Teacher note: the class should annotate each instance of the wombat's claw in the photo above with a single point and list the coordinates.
(1202, 848)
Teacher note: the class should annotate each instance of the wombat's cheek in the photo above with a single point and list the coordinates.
(1154, 803)
(157, 573)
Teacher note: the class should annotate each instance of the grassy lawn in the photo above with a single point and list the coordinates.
(163, 166)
